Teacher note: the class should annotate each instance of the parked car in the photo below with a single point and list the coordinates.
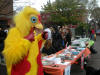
(98, 32)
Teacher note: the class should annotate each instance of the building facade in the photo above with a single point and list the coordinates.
(6, 11)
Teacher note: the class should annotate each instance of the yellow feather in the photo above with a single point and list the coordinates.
(15, 47)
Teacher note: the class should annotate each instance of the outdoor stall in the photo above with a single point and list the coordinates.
(60, 63)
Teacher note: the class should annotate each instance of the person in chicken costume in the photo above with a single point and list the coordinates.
(22, 46)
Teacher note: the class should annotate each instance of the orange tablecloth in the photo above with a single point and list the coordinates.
(55, 70)
(60, 69)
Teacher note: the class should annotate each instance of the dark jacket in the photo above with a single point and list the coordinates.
(2, 38)
(68, 38)
(57, 41)
(49, 51)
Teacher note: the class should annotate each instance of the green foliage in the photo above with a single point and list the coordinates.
(82, 28)
(64, 11)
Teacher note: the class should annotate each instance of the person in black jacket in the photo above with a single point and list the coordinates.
(3, 35)
(68, 37)
(57, 40)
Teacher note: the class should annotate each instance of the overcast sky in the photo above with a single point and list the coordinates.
(35, 3)
(99, 3)
(39, 3)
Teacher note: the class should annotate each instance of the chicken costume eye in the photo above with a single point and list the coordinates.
(33, 19)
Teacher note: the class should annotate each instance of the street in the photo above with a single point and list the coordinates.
(94, 61)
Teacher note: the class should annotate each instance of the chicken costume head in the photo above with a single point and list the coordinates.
(21, 45)
(27, 18)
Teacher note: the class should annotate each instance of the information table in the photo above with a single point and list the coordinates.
(59, 68)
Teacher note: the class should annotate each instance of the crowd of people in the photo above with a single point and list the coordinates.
(60, 37)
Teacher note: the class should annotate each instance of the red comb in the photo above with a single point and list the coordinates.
(39, 17)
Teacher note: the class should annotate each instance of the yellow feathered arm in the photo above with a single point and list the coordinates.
(16, 47)
(39, 37)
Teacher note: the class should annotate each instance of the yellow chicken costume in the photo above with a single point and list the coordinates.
(21, 45)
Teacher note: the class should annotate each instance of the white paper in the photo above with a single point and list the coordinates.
(66, 63)
(50, 58)
(57, 60)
